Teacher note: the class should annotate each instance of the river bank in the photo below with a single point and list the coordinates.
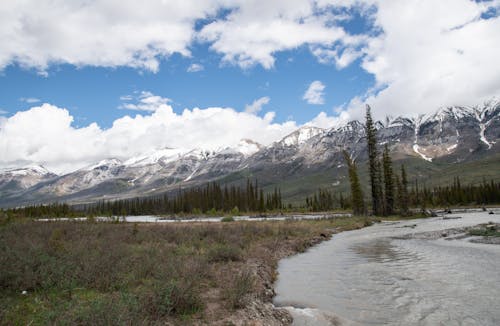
(151, 273)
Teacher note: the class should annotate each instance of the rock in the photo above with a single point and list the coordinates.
(491, 213)
(444, 234)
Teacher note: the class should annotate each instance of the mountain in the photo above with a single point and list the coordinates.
(13, 181)
(458, 139)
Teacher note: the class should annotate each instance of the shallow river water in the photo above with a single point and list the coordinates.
(369, 277)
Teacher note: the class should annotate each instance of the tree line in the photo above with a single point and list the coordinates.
(211, 198)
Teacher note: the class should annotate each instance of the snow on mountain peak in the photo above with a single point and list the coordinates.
(110, 162)
(35, 169)
(301, 135)
(165, 155)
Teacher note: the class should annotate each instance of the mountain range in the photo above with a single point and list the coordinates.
(454, 140)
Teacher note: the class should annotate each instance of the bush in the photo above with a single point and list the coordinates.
(235, 211)
(170, 299)
(227, 219)
(241, 285)
(223, 253)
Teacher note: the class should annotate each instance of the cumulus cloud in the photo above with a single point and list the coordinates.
(195, 67)
(430, 54)
(315, 93)
(37, 33)
(257, 105)
(258, 29)
(45, 134)
(323, 120)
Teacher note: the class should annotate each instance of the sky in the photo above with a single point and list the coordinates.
(81, 81)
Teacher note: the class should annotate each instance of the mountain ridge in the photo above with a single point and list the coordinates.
(451, 134)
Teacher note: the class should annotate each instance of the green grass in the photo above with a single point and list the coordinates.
(485, 232)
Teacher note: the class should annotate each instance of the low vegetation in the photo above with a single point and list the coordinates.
(486, 231)
(90, 273)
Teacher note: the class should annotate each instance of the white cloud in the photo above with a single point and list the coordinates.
(29, 100)
(195, 67)
(430, 54)
(258, 29)
(45, 134)
(147, 101)
(3, 111)
(315, 93)
(256, 105)
(112, 33)
(322, 120)
(37, 33)
(328, 56)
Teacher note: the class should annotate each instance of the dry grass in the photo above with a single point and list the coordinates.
(103, 273)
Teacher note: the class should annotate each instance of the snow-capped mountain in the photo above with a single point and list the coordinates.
(19, 179)
(301, 135)
(450, 135)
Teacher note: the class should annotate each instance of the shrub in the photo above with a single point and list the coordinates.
(235, 211)
(227, 219)
(223, 253)
(237, 292)
(171, 299)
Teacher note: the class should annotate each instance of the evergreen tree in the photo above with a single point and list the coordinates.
(358, 203)
(404, 198)
(388, 182)
(371, 138)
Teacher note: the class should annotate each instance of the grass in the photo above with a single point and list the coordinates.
(485, 232)
(91, 273)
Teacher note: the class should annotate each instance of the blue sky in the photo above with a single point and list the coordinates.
(82, 81)
(93, 94)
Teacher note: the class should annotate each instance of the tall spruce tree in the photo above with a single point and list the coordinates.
(388, 181)
(404, 198)
(373, 163)
(357, 200)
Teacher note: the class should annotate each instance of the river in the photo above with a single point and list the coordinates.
(381, 276)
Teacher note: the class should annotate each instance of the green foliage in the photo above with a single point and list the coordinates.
(373, 164)
(227, 219)
(404, 199)
(357, 200)
(388, 182)
(485, 232)
(235, 211)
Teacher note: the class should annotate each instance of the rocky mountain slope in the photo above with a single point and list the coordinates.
(449, 137)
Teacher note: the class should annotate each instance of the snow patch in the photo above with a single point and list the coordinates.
(165, 155)
(416, 149)
(106, 162)
(36, 170)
